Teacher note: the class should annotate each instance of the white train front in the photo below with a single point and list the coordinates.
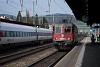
(13, 34)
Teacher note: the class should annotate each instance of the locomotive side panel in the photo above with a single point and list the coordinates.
(75, 33)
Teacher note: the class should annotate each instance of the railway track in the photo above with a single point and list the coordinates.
(11, 57)
(48, 61)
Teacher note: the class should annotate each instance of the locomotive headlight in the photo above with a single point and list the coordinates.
(56, 38)
(68, 38)
(62, 35)
(66, 44)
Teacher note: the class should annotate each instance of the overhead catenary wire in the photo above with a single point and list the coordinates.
(22, 3)
(10, 4)
(7, 12)
(59, 6)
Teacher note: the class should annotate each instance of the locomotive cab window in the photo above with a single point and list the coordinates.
(58, 30)
(68, 29)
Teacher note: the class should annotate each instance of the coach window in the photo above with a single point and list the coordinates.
(58, 29)
(28, 33)
(68, 29)
(3, 33)
(25, 34)
(31, 34)
(12, 34)
(22, 34)
(18, 34)
(15, 33)
(40, 33)
(7, 33)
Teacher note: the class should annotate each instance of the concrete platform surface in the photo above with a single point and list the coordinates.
(85, 55)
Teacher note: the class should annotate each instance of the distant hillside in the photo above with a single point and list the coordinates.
(11, 17)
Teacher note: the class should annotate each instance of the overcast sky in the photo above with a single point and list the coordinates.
(41, 7)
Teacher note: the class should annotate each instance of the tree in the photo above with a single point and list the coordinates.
(45, 23)
(36, 20)
(28, 17)
(12, 18)
(19, 17)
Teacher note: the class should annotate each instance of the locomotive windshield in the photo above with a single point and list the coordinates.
(58, 30)
(67, 29)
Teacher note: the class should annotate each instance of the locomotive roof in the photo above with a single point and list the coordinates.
(66, 24)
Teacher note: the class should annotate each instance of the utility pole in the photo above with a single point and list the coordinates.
(21, 4)
(36, 2)
(33, 14)
(33, 9)
(53, 18)
(49, 1)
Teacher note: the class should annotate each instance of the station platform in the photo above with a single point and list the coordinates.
(85, 55)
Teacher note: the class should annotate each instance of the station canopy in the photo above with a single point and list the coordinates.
(84, 10)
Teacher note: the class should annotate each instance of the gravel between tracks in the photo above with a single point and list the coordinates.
(23, 62)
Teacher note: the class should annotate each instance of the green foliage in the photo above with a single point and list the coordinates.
(45, 23)
(36, 20)
(28, 20)
(19, 17)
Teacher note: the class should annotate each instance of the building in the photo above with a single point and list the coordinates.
(95, 29)
(8, 17)
(83, 28)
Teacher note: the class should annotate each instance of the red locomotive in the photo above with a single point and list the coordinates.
(65, 35)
